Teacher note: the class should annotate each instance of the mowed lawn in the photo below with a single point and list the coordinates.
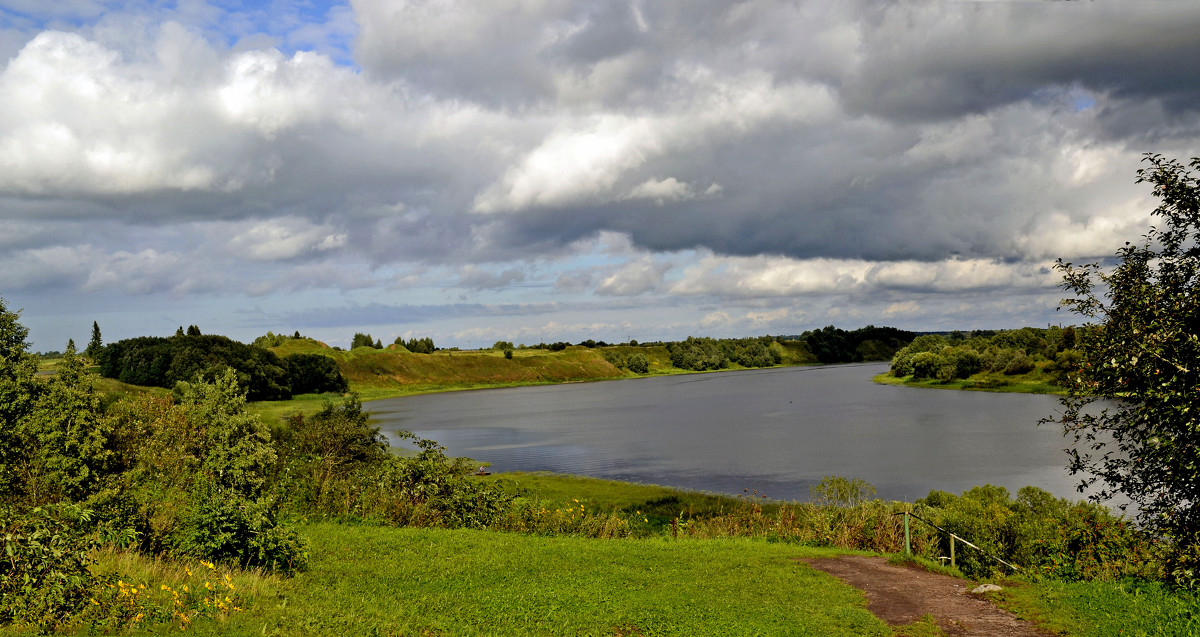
(405, 581)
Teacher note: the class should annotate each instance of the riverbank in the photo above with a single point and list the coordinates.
(1036, 382)
(375, 374)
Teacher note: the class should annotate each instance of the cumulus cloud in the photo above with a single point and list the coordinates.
(695, 153)
(477, 278)
(767, 277)
(635, 278)
(280, 239)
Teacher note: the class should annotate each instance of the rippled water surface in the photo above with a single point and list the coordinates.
(775, 430)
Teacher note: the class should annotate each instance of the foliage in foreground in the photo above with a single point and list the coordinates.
(1142, 355)
(1044, 535)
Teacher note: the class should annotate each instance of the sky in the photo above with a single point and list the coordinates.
(546, 170)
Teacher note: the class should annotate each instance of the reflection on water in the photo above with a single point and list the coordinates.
(776, 430)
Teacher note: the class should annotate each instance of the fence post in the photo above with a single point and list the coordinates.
(952, 565)
(907, 542)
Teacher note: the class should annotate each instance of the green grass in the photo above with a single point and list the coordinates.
(604, 495)
(273, 412)
(1102, 609)
(408, 581)
(656, 505)
(375, 580)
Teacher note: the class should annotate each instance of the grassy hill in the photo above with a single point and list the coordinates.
(393, 371)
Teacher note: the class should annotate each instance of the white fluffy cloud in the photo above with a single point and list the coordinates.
(763, 164)
(280, 239)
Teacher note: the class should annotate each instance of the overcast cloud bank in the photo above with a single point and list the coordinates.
(534, 170)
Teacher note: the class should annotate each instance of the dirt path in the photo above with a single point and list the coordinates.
(902, 595)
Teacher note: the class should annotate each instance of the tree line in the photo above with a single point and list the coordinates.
(960, 355)
(155, 361)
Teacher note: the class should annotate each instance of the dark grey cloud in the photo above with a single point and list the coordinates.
(482, 151)
(939, 60)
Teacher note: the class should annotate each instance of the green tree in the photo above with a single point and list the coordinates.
(1142, 352)
(96, 344)
(65, 437)
(239, 448)
(19, 393)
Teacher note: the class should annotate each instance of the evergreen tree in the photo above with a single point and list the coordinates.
(94, 345)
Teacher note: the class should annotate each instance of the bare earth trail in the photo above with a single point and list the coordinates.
(902, 595)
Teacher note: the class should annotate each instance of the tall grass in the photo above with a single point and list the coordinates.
(868, 526)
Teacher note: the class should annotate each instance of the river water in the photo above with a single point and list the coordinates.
(777, 431)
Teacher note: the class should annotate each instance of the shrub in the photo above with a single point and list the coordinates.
(925, 365)
(839, 491)
(1019, 364)
(44, 574)
(1039, 532)
(638, 363)
(223, 526)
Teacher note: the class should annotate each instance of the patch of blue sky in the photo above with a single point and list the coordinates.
(1083, 102)
(323, 26)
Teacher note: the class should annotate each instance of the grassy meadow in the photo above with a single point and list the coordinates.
(381, 580)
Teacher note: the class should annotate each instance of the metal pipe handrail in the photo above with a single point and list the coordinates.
(908, 544)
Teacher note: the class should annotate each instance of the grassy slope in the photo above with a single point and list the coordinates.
(407, 581)
(383, 373)
(388, 581)
(1101, 609)
(373, 580)
(375, 373)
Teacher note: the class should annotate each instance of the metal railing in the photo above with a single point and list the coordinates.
(953, 537)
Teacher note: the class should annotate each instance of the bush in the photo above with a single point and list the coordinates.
(638, 363)
(44, 573)
(925, 365)
(225, 527)
(1041, 533)
(839, 491)
(314, 374)
(1019, 364)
